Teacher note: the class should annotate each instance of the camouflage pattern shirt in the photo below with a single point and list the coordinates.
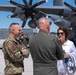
(13, 56)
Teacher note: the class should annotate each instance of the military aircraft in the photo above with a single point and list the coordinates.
(24, 11)
(34, 11)
(62, 13)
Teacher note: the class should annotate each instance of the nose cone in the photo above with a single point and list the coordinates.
(32, 24)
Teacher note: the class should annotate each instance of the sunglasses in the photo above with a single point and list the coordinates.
(60, 33)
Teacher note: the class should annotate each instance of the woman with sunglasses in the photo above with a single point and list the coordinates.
(69, 52)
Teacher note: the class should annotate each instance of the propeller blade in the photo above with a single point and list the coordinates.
(25, 2)
(69, 6)
(12, 16)
(38, 3)
(24, 22)
(30, 2)
(75, 2)
(17, 4)
(17, 14)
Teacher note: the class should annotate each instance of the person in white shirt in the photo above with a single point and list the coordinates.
(67, 65)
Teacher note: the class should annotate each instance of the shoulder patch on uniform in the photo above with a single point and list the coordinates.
(11, 46)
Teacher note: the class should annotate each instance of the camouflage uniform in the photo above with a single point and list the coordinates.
(13, 56)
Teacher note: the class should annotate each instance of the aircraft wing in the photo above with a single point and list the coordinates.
(8, 8)
(51, 9)
(46, 9)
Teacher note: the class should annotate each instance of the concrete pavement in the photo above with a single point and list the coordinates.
(28, 65)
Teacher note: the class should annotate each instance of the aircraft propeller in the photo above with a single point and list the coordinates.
(68, 5)
(75, 2)
(28, 10)
(72, 16)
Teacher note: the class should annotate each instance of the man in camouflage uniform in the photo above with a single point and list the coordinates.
(14, 52)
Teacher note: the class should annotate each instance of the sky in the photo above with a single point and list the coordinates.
(5, 22)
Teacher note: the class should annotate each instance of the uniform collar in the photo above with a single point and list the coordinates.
(12, 38)
(43, 31)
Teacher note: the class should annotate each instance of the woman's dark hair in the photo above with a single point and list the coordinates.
(65, 30)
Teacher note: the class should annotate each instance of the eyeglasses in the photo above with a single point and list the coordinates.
(60, 33)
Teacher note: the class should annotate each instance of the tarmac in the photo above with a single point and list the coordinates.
(28, 65)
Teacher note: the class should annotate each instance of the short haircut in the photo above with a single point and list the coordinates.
(43, 18)
(12, 24)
